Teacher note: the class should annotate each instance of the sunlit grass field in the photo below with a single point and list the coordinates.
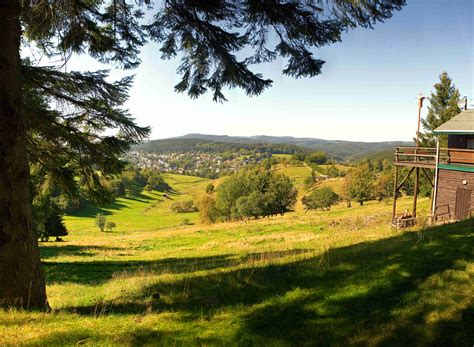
(147, 211)
(342, 277)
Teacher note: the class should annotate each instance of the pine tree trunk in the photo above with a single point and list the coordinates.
(21, 279)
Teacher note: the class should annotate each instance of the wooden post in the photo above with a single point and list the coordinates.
(435, 189)
(395, 195)
(417, 172)
(415, 192)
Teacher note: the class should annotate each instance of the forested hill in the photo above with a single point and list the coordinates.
(185, 144)
(344, 150)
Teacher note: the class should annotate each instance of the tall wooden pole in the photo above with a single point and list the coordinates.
(417, 171)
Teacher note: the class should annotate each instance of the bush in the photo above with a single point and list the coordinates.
(322, 198)
(210, 188)
(184, 207)
(100, 221)
(110, 225)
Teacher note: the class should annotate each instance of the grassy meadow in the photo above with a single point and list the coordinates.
(341, 277)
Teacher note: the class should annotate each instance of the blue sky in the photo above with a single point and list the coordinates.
(367, 90)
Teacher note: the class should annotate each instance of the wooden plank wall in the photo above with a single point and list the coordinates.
(448, 182)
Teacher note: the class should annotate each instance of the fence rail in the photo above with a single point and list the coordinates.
(426, 156)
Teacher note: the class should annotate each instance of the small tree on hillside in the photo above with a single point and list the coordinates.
(383, 187)
(208, 210)
(361, 188)
(443, 106)
(100, 221)
(322, 198)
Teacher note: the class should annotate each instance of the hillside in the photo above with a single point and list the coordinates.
(343, 150)
(341, 277)
(215, 146)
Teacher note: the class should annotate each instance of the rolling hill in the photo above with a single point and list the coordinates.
(338, 149)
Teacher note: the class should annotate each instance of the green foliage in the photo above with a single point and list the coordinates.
(383, 187)
(255, 194)
(68, 145)
(184, 206)
(322, 198)
(48, 218)
(362, 179)
(183, 145)
(310, 180)
(317, 158)
(100, 221)
(299, 156)
(210, 188)
(443, 106)
(155, 181)
(208, 36)
(208, 210)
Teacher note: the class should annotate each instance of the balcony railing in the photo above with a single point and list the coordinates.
(426, 156)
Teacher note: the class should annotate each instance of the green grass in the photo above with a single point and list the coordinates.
(147, 211)
(342, 277)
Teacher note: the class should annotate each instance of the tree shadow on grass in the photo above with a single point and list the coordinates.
(87, 272)
(91, 211)
(73, 250)
(372, 293)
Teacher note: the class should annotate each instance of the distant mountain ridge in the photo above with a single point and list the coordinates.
(338, 149)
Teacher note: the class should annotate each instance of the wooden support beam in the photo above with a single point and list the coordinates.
(395, 194)
(403, 181)
(428, 177)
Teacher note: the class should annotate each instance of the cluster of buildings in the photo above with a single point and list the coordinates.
(202, 164)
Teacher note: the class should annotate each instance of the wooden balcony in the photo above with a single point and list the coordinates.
(426, 157)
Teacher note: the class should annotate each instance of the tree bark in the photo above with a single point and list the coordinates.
(22, 282)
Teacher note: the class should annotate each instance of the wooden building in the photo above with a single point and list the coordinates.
(450, 170)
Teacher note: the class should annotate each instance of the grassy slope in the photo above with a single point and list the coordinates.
(340, 277)
(149, 211)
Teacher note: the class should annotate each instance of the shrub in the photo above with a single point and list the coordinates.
(210, 188)
(184, 207)
(100, 221)
(110, 225)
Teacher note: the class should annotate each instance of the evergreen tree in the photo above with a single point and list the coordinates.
(58, 119)
(443, 106)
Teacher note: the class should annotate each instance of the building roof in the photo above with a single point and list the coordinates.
(463, 123)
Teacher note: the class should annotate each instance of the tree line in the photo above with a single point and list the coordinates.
(249, 194)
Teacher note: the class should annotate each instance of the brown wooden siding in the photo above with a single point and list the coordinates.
(448, 183)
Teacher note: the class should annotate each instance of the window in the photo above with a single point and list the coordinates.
(470, 144)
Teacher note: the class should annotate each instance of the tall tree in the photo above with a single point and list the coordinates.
(58, 119)
(444, 102)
